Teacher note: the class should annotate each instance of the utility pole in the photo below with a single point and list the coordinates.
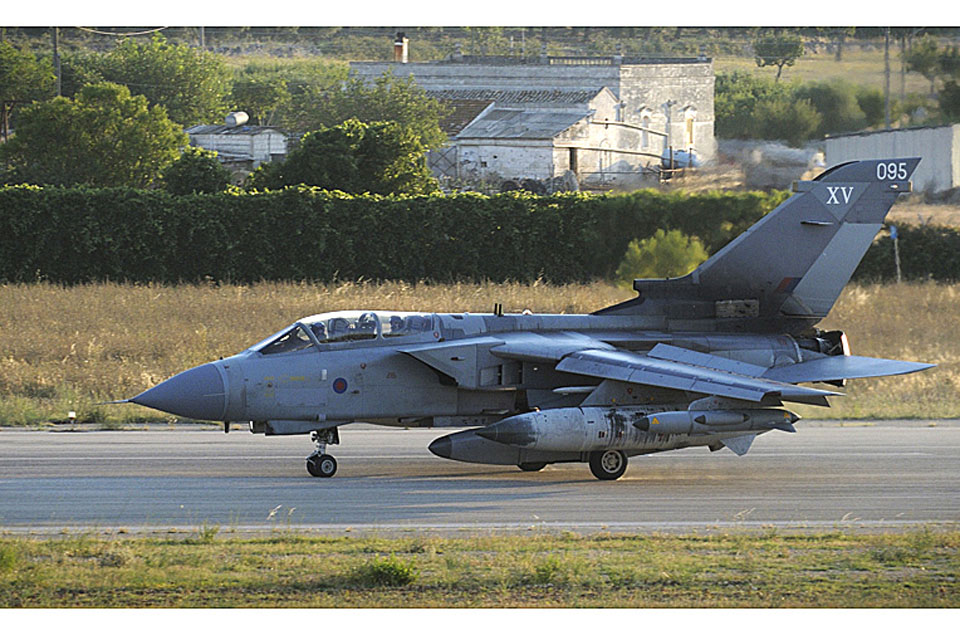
(202, 42)
(886, 77)
(56, 58)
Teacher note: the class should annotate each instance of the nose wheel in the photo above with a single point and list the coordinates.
(320, 464)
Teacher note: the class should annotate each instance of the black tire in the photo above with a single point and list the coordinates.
(322, 466)
(532, 466)
(608, 465)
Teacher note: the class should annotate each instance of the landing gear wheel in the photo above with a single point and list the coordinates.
(323, 466)
(608, 465)
(531, 466)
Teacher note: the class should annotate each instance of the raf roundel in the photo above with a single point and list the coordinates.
(339, 385)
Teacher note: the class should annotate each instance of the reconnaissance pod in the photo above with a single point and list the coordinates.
(703, 360)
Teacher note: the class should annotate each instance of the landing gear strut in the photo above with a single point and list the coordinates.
(319, 463)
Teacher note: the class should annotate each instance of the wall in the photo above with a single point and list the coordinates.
(261, 147)
(939, 170)
(663, 91)
(506, 159)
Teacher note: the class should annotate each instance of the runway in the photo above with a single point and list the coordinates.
(886, 474)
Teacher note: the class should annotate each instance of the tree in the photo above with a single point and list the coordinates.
(836, 102)
(260, 94)
(389, 98)
(924, 58)
(193, 85)
(790, 119)
(950, 100)
(667, 254)
(23, 79)
(307, 82)
(356, 157)
(197, 170)
(777, 49)
(737, 96)
(104, 137)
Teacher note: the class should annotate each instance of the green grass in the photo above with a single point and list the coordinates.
(719, 568)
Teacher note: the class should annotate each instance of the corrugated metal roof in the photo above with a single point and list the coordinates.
(861, 134)
(519, 97)
(224, 130)
(537, 124)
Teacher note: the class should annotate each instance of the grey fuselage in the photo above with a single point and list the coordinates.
(451, 374)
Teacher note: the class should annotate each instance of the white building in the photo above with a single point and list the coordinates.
(938, 148)
(604, 118)
(243, 146)
(541, 134)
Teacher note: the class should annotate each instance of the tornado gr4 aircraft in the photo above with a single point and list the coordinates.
(703, 360)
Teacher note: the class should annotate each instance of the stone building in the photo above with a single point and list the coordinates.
(606, 119)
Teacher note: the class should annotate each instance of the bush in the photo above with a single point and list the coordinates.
(9, 556)
(197, 170)
(836, 102)
(384, 572)
(356, 157)
(926, 253)
(788, 119)
(667, 254)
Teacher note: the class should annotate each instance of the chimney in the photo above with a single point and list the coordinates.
(400, 45)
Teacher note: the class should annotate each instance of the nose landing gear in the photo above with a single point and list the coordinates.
(319, 463)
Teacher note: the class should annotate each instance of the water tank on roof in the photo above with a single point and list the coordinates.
(236, 118)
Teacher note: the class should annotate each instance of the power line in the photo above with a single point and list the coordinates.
(122, 35)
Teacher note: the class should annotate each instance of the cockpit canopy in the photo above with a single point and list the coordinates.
(345, 326)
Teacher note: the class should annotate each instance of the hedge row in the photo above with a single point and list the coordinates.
(72, 235)
(82, 235)
(926, 253)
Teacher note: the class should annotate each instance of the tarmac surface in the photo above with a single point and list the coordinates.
(884, 474)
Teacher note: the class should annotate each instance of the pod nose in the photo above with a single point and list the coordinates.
(199, 393)
(442, 446)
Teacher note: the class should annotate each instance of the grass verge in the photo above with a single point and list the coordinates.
(841, 568)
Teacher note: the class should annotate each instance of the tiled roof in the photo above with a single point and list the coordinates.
(464, 112)
(518, 97)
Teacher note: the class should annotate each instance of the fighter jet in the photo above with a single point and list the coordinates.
(707, 359)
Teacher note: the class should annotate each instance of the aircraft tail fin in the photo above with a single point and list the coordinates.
(787, 270)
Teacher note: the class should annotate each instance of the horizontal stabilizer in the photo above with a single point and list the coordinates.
(630, 367)
(842, 368)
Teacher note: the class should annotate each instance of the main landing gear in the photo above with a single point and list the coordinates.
(319, 463)
(608, 465)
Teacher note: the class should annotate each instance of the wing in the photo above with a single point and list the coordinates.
(681, 369)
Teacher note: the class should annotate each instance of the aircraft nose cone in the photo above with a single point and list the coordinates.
(441, 447)
(198, 393)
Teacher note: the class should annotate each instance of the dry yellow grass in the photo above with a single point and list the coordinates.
(863, 66)
(66, 348)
